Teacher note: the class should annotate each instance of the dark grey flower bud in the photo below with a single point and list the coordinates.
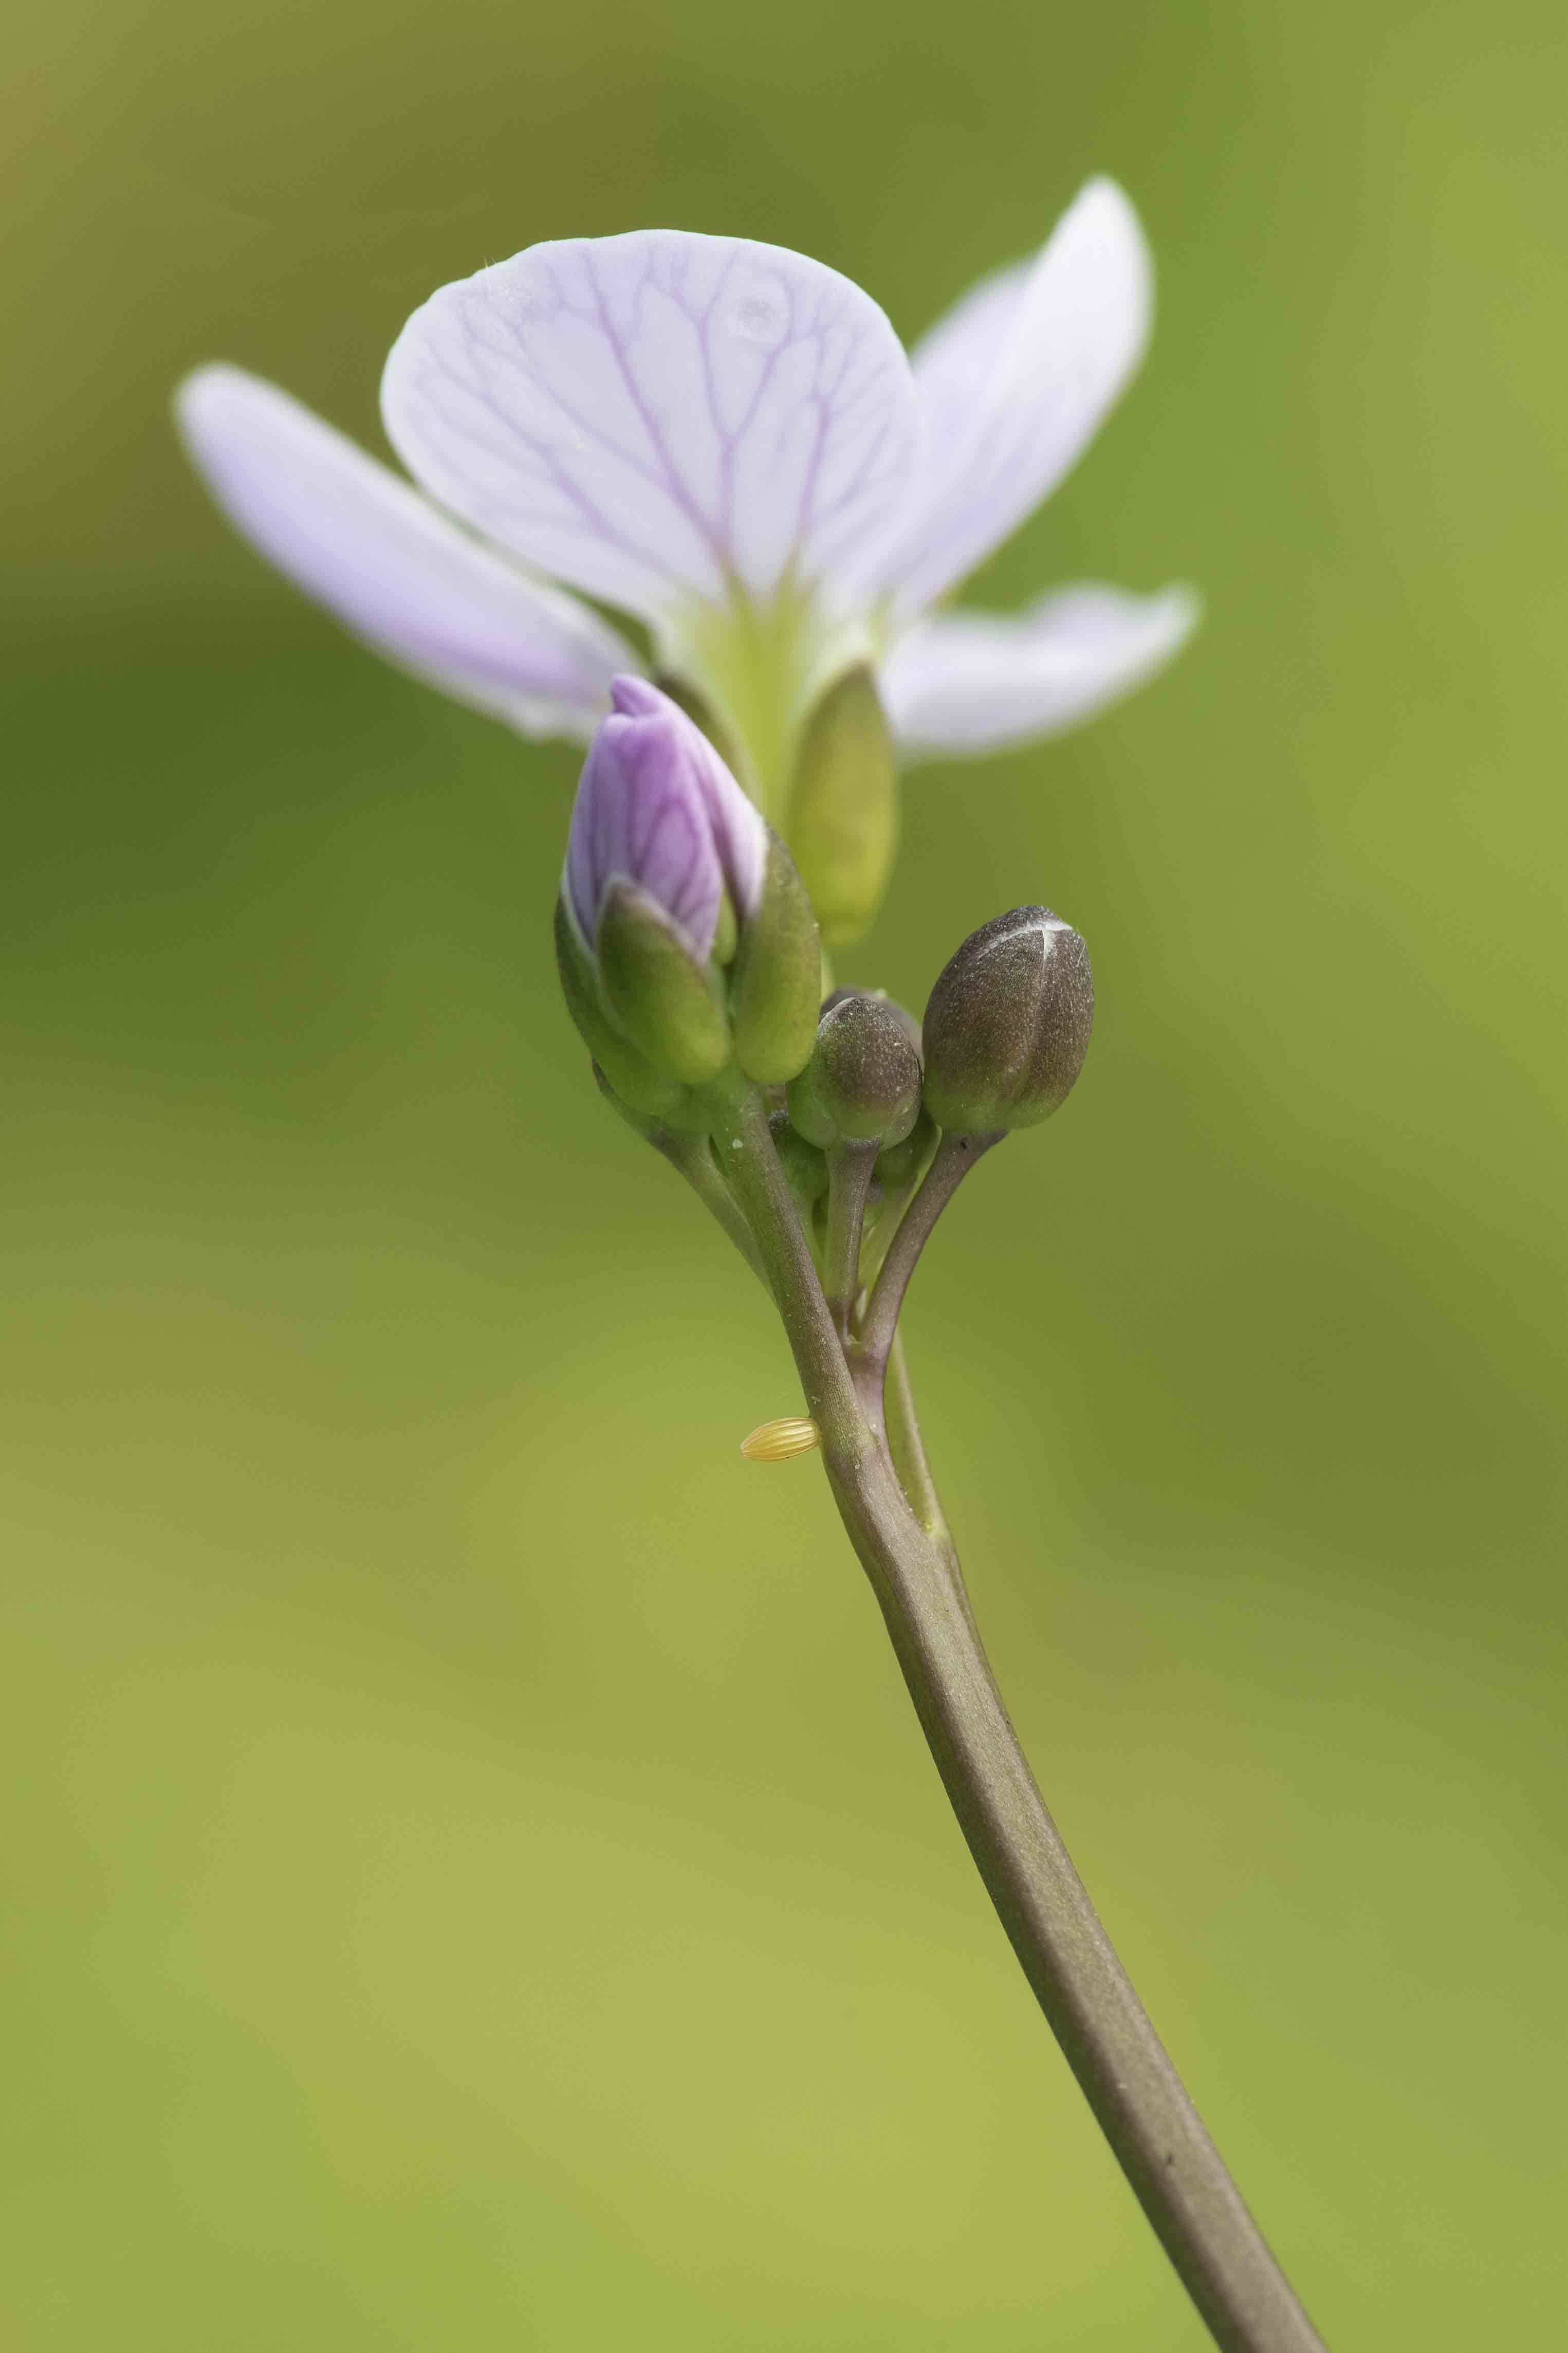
(1007, 1026)
(911, 1027)
(862, 1084)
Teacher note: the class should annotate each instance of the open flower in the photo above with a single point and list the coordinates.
(725, 441)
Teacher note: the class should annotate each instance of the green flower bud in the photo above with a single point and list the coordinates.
(1007, 1026)
(776, 981)
(843, 808)
(862, 1084)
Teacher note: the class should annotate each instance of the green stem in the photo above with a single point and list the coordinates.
(693, 1157)
(1136, 2095)
(909, 1450)
(740, 1134)
(850, 1168)
(955, 1156)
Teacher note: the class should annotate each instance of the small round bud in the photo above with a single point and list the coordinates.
(1007, 1026)
(911, 1027)
(862, 1084)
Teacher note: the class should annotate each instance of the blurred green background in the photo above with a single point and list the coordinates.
(474, 1878)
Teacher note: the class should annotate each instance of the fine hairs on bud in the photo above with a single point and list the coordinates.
(862, 1084)
(1008, 1024)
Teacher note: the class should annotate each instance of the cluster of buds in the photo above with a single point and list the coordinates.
(686, 942)
(690, 960)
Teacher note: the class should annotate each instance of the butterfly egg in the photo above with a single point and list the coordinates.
(775, 1442)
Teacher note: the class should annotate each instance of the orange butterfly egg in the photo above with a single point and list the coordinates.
(775, 1442)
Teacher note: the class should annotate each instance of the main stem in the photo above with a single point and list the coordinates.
(1137, 2097)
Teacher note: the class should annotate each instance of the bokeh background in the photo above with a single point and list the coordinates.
(474, 1878)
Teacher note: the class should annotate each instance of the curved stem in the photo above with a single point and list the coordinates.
(850, 1168)
(742, 1132)
(693, 1157)
(1137, 2097)
(955, 1156)
(908, 1448)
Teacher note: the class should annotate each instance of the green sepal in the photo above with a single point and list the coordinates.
(727, 933)
(842, 812)
(668, 1004)
(775, 985)
(631, 1077)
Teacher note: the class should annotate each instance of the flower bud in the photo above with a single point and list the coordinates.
(1007, 1026)
(843, 808)
(703, 717)
(665, 856)
(862, 1084)
(906, 1019)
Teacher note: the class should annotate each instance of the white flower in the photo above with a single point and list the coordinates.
(726, 441)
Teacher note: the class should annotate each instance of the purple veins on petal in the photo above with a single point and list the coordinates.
(740, 837)
(657, 809)
(653, 417)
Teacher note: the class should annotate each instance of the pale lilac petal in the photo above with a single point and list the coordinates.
(387, 563)
(658, 418)
(974, 681)
(1014, 383)
(656, 808)
(956, 362)
(638, 820)
(740, 836)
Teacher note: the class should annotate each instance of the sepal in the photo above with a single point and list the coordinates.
(776, 981)
(629, 1075)
(666, 1004)
(842, 814)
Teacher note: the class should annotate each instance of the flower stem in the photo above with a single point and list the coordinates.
(908, 1448)
(1135, 2094)
(693, 1157)
(850, 1168)
(955, 1156)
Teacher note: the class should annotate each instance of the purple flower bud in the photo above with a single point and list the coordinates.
(658, 809)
